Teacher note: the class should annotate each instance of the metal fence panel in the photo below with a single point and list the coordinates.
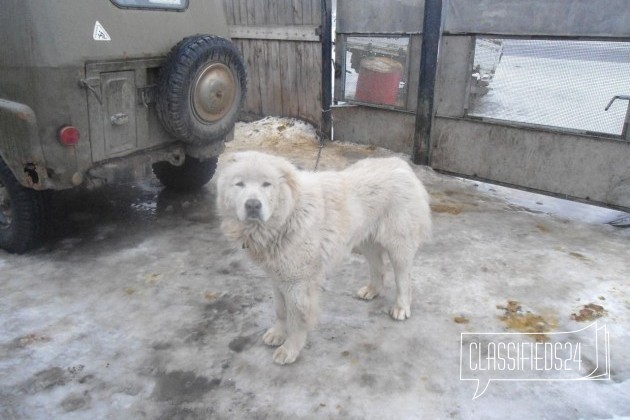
(587, 18)
(555, 83)
(378, 17)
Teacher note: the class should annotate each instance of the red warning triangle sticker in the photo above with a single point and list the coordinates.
(100, 34)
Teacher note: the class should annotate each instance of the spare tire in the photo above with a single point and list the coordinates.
(201, 89)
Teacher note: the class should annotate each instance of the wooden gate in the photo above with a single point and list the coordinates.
(281, 44)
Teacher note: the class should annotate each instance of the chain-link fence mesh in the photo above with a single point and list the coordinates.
(559, 83)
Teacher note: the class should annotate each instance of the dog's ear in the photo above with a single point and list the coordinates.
(289, 176)
(288, 190)
(291, 181)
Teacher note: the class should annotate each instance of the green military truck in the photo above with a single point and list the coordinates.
(101, 91)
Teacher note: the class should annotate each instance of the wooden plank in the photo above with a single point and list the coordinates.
(286, 13)
(301, 80)
(272, 12)
(242, 45)
(288, 74)
(264, 74)
(275, 80)
(317, 11)
(278, 10)
(306, 104)
(257, 62)
(306, 12)
(260, 12)
(285, 33)
(243, 12)
(228, 9)
(313, 82)
(253, 92)
(251, 12)
(236, 10)
(261, 66)
(297, 12)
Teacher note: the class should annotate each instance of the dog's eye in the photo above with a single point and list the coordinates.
(240, 184)
(266, 184)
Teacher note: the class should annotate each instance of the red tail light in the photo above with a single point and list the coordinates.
(69, 135)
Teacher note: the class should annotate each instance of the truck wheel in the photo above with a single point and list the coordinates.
(201, 88)
(21, 214)
(192, 175)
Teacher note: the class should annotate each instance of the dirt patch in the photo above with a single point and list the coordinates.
(211, 296)
(452, 202)
(579, 256)
(29, 340)
(298, 142)
(448, 208)
(241, 343)
(589, 312)
(517, 319)
(180, 387)
(76, 401)
(45, 380)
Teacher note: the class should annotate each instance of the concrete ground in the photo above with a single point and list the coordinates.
(137, 307)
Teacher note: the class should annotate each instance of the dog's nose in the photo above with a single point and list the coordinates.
(252, 207)
(253, 204)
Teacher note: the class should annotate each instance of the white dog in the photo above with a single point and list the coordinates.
(297, 225)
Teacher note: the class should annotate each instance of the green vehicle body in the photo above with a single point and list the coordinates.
(102, 91)
(92, 65)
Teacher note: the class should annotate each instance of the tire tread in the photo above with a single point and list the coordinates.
(176, 75)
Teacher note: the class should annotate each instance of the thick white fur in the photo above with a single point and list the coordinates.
(310, 221)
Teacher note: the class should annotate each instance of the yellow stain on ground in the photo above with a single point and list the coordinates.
(589, 312)
(515, 318)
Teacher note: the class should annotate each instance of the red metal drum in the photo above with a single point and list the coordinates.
(379, 80)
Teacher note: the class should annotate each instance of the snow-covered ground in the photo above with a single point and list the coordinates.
(139, 308)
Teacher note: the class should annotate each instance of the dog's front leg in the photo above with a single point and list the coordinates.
(276, 335)
(301, 312)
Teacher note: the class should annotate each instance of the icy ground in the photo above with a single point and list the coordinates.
(137, 307)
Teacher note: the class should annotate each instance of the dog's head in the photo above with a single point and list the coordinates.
(255, 187)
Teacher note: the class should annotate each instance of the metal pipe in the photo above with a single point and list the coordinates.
(326, 39)
(431, 34)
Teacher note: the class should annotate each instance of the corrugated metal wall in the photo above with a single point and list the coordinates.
(279, 40)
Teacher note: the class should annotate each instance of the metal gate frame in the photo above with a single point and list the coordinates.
(581, 167)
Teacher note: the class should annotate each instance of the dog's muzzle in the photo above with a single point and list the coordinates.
(252, 208)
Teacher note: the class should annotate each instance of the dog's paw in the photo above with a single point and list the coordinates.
(368, 292)
(284, 355)
(400, 313)
(274, 337)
